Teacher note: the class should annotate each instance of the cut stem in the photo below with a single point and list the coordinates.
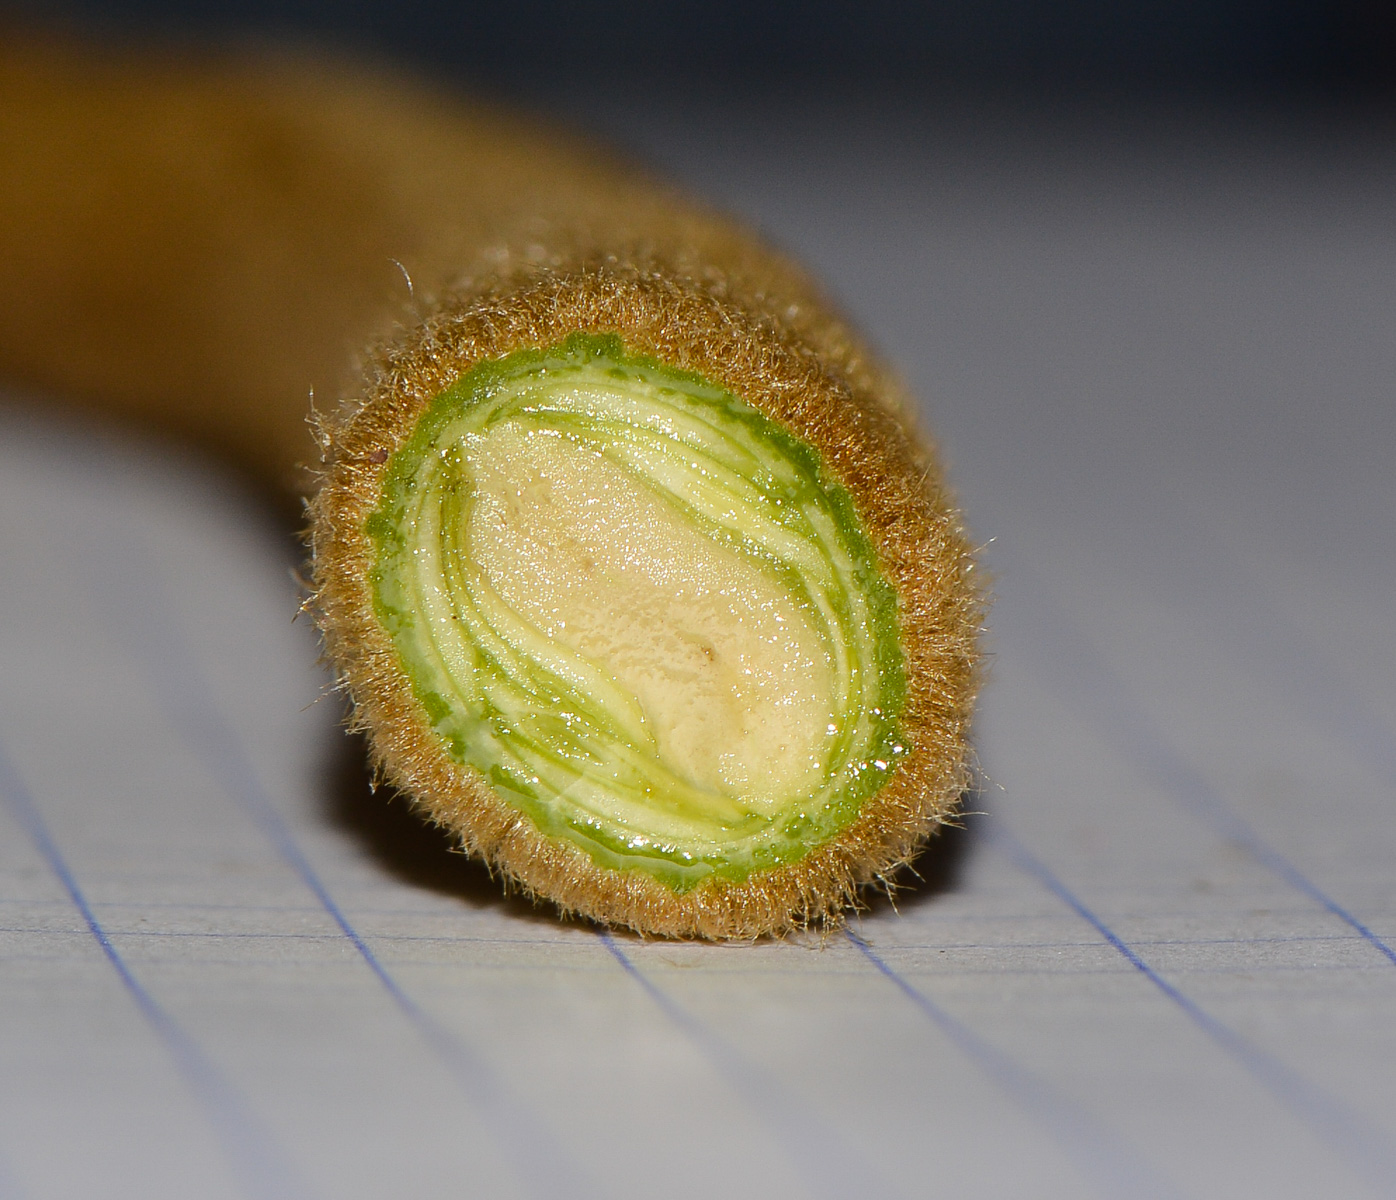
(637, 573)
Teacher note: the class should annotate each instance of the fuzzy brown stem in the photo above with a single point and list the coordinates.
(200, 246)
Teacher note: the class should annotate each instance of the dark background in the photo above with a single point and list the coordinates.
(1287, 50)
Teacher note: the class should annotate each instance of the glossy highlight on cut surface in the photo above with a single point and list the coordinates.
(641, 610)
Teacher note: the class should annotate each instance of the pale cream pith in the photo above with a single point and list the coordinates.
(729, 672)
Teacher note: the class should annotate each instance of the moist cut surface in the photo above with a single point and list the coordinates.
(641, 609)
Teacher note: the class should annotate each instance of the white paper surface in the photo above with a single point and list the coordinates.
(1160, 965)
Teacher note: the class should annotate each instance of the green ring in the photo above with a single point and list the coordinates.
(773, 479)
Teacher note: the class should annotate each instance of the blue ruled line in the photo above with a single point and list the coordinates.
(1101, 1156)
(1079, 670)
(182, 695)
(1362, 1145)
(258, 1163)
(817, 1151)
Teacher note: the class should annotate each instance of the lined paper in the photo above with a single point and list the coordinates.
(1158, 961)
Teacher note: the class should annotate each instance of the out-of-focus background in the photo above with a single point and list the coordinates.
(1042, 48)
(1139, 263)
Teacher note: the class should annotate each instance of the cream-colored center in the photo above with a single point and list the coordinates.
(732, 681)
